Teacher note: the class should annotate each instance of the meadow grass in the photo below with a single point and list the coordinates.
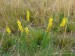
(32, 28)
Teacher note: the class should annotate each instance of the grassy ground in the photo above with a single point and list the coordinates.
(57, 42)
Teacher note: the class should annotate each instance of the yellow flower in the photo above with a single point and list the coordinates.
(8, 30)
(49, 24)
(28, 16)
(27, 30)
(20, 26)
(63, 22)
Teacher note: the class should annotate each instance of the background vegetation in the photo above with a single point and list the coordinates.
(57, 42)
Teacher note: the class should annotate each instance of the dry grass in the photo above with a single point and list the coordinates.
(40, 9)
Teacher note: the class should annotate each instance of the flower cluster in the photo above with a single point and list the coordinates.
(20, 26)
(27, 30)
(49, 24)
(63, 23)
(8, 30)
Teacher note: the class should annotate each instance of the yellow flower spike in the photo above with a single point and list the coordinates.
(49, 24)
(18, 22)
(63, 22)
(20, 26)
(27, 30)
(8, 30)
(28, 16)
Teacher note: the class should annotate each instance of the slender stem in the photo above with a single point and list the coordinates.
(2, 37)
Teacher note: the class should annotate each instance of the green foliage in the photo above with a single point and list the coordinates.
(7, 44)
(70, 27)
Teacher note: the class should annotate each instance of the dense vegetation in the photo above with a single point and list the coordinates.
(37, 28)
